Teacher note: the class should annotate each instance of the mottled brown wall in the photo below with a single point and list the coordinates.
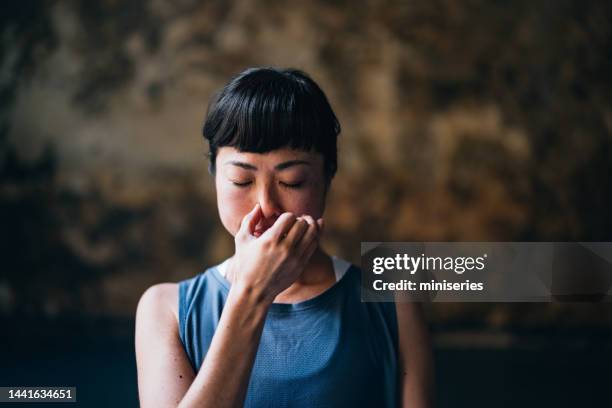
(471, 120)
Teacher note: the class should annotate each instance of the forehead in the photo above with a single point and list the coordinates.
(228, 154)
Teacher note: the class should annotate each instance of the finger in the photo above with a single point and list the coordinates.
(308, 250)
(309, 236)
(317, 224)
(247, 226)
(296, 232)
(281, 227)
(308, 219)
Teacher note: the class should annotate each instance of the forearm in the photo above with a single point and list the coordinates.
(418, 392)
(224, 376)
(416, 363)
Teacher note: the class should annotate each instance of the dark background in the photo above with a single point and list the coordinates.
(462, 120)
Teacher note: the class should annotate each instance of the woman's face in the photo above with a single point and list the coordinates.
(283, 180)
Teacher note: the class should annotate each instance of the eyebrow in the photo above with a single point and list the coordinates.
(281, 166)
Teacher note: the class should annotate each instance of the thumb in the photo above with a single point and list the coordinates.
(250, 220)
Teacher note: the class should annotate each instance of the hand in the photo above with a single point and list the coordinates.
(270, 263)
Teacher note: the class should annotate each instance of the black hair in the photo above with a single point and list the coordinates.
(263, 109)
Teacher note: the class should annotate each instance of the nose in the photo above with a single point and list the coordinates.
(269, 203)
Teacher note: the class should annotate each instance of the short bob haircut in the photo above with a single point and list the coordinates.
(263, 109)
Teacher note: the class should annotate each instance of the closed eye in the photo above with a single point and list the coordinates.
(292, 185)
(243, 184)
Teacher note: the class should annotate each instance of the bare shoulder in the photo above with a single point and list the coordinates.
(160, 300)
(164, 370)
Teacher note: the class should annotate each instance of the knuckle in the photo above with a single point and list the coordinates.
(267, 243)
(283, 252)
(285, 247)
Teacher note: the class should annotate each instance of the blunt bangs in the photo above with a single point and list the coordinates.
(264, 109)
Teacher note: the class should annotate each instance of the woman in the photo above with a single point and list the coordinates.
(280, 323)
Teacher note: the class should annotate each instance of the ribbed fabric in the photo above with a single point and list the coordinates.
(328, 351)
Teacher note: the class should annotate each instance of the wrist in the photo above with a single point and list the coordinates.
(245, 290)
(250, 295)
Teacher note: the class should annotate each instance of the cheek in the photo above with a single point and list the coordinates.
(308, 201)
(233, 206)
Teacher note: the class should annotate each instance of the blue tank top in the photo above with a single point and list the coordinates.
(328, 351)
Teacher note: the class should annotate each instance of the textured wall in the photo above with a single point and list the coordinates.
(471, 120)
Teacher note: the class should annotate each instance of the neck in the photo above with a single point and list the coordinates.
(318, 269)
